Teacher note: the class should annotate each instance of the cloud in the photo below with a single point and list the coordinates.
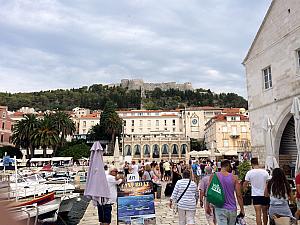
(48, 44)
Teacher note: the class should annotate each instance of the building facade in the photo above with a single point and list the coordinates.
(228, 134)
(273, 78)
(195, 118)
(154, 134)
(5, 127)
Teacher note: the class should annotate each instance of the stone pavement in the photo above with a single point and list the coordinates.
(164, 215)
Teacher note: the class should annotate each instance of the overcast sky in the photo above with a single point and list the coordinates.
(49, 44)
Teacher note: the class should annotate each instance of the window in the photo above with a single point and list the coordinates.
(141, 123)
(149, 123)
(92, 123)
(267, 76)
(225, 143)
(298, 57)
(174, 123)
(132, 130)
(1, 138)
(244, 129)
(132, 123)
(165, 122)
(3, 115)
(3, 125)
(174, 129)
(157, 122)
(84, 123)
(141, 130)
(84, 131)
(166, 129)
(124, 122)
(224, 129)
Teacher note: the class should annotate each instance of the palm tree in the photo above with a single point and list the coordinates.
(46, 134)
(64, 126)
(23, 131)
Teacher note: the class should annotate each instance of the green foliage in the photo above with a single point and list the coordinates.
(75, 149)
(197, 145)
(11, 151)
(243, 168)
(110, 124)
(96, 96)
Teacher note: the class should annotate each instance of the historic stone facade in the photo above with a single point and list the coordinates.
(137, 84)
(273, 77)
(5, 127)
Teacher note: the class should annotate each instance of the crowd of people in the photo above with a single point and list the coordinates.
(189, 184)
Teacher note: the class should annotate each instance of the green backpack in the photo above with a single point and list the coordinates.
(215, 194)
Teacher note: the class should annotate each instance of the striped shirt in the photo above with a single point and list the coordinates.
(190, 197)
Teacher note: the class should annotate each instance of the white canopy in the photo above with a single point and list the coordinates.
(40, 159)
(296, 112)
(231, 153)
(271, 161)
(199, 153)
(55, 159)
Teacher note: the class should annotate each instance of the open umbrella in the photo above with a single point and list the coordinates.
(296, 112)
(271, 161)
(96, 183)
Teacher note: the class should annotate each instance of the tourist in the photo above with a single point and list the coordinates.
(297, 181)
(279, 191)
(226, 215)
(196, 169)
(148, 174)
(104, 210)
(258, 178)
(203, 185)
(175, 175)
(126, 169)
(188, 201)
(167, 169)
(161, 167)
(157, 172)
(134, 169)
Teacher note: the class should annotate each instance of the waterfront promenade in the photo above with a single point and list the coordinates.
(164, 216)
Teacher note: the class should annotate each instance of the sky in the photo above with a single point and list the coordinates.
(51, 44)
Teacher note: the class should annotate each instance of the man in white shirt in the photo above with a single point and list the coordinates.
(104, 211)
(258, 178)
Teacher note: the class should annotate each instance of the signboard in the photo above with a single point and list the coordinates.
(7, 160)
(132, 177)
(136, 203)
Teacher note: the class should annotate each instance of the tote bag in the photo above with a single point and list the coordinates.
(215, 194)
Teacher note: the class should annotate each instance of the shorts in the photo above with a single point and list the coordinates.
(168, 173)
(225, 216)
(298, 203)
(261, 200)
(186, 216)
(104, 213)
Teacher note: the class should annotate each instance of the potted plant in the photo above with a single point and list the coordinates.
(243, 168)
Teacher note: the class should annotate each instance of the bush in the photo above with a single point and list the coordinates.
(243, 168)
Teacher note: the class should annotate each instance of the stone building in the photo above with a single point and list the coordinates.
(228, 134)
(195, 119)
(154, 134)
(138, 84)
(273, 78)
(5, 127)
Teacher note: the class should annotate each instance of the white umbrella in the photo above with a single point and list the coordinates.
(116, 151)
(271, 161)
(96, 184)
(296, 112)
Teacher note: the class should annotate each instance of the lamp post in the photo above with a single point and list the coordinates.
(123, 135)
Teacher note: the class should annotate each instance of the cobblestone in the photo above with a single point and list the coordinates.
(164, 215)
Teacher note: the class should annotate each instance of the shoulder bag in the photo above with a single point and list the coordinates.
(175, 205)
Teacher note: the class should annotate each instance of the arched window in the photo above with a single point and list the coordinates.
(146, 150)
(128, 150)
(137, 150)
(155, 151)
(174, 149)
(165, 149)
(183, 149)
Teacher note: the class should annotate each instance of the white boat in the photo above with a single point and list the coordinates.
(34, 214)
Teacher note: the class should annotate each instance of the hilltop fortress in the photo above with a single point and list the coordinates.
(136, 84)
